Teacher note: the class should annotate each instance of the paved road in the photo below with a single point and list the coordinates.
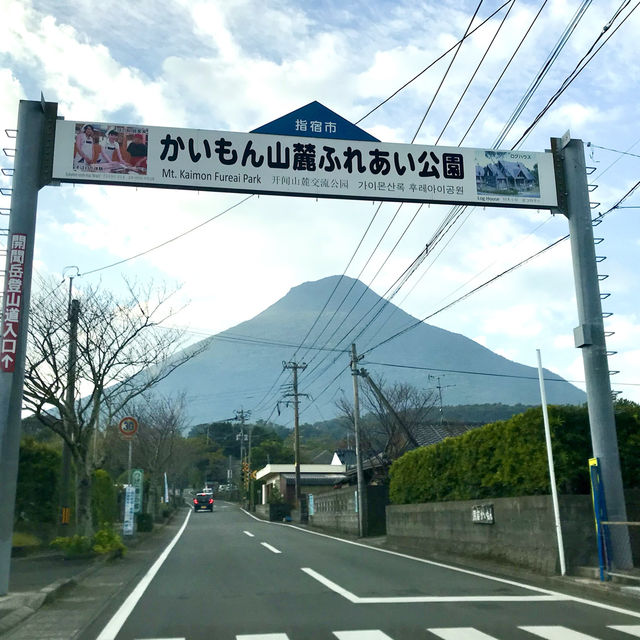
(232, 577)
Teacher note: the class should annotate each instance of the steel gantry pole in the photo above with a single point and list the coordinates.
(31, 171)
(590, 337)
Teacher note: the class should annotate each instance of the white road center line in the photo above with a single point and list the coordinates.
(557, 633)
(268, 546)
(365, 634)
(460, 633)
(248, 533)
(409, 599)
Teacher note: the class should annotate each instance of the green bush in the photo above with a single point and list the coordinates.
(275, 497)
(106, 540)
(144, 522)
(104, 498)
(37, 488)
(25, 540)
(508, 458)
(73, 545)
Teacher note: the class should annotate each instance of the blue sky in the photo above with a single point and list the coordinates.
(238, 64)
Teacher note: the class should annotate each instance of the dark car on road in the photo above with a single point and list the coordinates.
(203, 502)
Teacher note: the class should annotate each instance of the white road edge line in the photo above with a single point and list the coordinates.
(248, 533)
(591, 603)
(120, 617)
(412, 599)
(268, 546)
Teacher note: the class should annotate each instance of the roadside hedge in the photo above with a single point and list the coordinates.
(508, 458)
(37, 488)
(104, 499)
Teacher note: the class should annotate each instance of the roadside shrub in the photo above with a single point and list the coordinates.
(275, 497)
(104, 499)
(106, 540)
(508, 458)
(73, 545)
(37, 488)
(144, 521)
(25, 541)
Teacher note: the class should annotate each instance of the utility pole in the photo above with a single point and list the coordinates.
(294, 366)
(73, 310)
(241, 416)
(439, 388)
(65, 488)
(362, 522)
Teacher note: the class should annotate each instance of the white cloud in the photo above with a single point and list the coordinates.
(242, 63)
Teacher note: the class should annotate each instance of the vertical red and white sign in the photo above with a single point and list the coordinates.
(12, 301)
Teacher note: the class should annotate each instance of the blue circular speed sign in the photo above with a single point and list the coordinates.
(128, 426)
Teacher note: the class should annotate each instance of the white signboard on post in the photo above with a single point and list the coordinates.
(300, 166)
(129, 503)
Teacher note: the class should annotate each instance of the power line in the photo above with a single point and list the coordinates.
(473, 75)
(335, 288)
(453, 216)
(466, 295)
(446, 73)
(471, 373)
(504, 70)
(617, 204)
(623, 153)
(457, 47)
(580, 67)
(370, 282)
(163, 244)
(457, 211)
(406, 84)
(231, 337)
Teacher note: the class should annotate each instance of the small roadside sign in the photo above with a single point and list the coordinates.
(128, 426)
(137, 476)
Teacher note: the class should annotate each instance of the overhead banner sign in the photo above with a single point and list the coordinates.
(300, 166)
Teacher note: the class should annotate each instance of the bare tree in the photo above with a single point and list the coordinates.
(122, 351)
(161, 421)
(392, 417)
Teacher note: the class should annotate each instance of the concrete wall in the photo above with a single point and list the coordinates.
(335, 510)
(523, 532)
(273, 512)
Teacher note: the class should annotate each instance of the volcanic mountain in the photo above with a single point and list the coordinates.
(243, 366)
